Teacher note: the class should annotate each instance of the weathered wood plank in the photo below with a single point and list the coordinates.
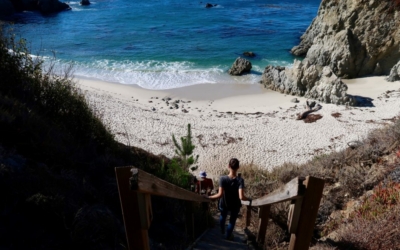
(213, 239)
(189, 219)
(263, 216)
(292, 190)
(148, 183)
(248, 216)
(145, 211)
(309, 210)
(294, 215)
(153, 185)
(137, 237)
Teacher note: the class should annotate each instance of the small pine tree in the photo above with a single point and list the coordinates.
(184, 152)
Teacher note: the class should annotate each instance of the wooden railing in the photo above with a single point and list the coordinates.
(135, 188)
(305, 195)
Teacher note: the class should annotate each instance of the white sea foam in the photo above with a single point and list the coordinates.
(160, 75)
(277, 62)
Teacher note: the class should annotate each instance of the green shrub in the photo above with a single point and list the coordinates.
(44, 92)
(184, 151)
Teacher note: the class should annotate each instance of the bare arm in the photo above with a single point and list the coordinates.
(218, 195)
(242, 196)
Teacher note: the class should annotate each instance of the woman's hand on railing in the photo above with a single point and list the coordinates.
(247, 202)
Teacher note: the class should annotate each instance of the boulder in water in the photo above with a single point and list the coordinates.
(240, 66)
(249, 54)
(52, 6)
(85, 2)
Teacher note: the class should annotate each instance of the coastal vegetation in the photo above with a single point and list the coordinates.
(57, 161)
(360, 204)
(179, 169)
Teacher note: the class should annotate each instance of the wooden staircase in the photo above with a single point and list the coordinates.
(136, 187)
(213, 239)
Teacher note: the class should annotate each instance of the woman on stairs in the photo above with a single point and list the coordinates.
(230, 194)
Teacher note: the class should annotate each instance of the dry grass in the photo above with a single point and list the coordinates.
(373, 234)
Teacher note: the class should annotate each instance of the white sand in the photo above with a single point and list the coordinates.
(263, 130)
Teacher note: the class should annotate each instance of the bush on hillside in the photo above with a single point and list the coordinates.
(57, 161)
(46, 94)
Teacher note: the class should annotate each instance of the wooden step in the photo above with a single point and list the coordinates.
(214, 239)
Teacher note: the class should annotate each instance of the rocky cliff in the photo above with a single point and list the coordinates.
(353, 37)
(347, 39)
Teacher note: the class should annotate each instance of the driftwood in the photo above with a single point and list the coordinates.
(391, 148)
(310, 108)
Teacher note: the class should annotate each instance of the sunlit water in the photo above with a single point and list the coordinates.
(164, 44)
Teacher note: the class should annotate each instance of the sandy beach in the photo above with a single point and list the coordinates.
(248, 122)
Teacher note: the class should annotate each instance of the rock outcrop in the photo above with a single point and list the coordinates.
(240, 66)
(353, 37)
(52, 6)
(308, 80)
(85, 2)
(210, 5)
(249, 54)
(6, 8)
(394, 73)
(44, 6)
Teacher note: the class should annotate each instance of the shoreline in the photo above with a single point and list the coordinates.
(248, 122)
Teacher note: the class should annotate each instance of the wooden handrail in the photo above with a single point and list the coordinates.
(135, 188)
(305, 194)
(150, 184)
(291, 191)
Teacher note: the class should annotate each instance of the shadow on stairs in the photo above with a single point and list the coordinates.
(213, 239)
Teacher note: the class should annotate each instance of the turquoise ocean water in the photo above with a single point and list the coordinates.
(164, 44)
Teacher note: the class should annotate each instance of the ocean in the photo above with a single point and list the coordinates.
(164, 44)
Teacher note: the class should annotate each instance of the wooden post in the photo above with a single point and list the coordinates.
(205, 212)
(263, 215)
(248, 216)
(145, 211)
(294, 215)
(300, 240)
(136, 236)
(189, 219)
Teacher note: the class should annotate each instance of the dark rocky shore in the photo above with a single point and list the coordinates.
(9, 7)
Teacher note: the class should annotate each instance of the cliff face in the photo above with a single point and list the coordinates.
(353, 37)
